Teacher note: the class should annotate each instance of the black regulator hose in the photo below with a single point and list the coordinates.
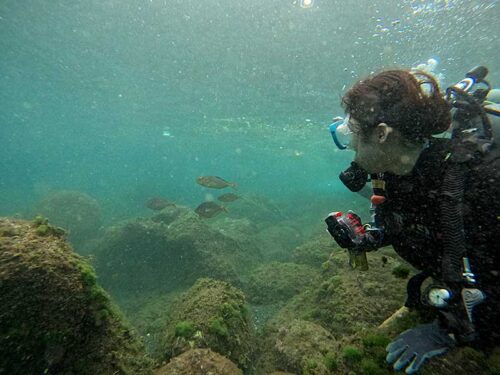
(452, 192)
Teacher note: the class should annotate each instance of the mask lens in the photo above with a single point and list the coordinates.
(341, 134)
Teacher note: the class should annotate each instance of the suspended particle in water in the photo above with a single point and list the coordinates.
(306, 3)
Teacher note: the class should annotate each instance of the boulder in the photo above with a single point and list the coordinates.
(199, 362)
(211, 314)
(54, 317)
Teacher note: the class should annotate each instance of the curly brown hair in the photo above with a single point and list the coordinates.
(409, 101)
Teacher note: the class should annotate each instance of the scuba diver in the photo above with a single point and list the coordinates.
(436, 200)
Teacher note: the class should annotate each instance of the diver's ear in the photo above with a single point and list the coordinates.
(382, 131)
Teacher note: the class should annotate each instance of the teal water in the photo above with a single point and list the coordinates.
(128, 99)
(125, 100)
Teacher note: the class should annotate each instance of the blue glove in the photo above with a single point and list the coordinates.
(412, 347)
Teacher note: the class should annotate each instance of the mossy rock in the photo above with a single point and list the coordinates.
(169, 214)
(169, 252)
(54, 318)
(184, 329)
(78, 213)
(401, 271)
(275, 282)
(494, 361)
(278, 240)
(259, 209)
(43, 228)
(199, 362)
(346, 300)
(216, 313)
(305, 348)
(316, 252)
(460, 361)
(351, 354)
(148, 314)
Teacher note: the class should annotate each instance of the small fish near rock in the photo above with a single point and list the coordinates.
(228, 197)
(214, 182)
(209, 209)
(158, 204)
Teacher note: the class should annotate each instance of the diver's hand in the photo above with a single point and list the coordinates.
(412, 347)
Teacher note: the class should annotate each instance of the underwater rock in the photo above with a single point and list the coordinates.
(148, 314)
(158, 203)
(461, 361)
(347, 300)
(170, 251)
(315, 252)
(237, 229)
(305, 348)
(76, 212)
(168, 214)
(278, 240)
(211, 314)
(343, 301)
(259, 209)
(199, 362)
(276, 282)
(209, 209)
(54, 317)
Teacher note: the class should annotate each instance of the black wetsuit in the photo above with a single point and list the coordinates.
(411, 218)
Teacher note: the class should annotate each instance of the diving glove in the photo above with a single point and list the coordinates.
(412, 347)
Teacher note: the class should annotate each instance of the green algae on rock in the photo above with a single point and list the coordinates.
(275, 282)
(346, 301)
(305, 348)
(167, 252)
(43, 228)
(54, 318)
(199, 362)
(217, 312)
(401, 271)
(184, 329)
(315, 252)
(343, 302)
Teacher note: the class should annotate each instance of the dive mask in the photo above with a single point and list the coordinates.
(341, 134)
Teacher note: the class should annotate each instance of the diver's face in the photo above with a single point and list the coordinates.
(370, 148)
